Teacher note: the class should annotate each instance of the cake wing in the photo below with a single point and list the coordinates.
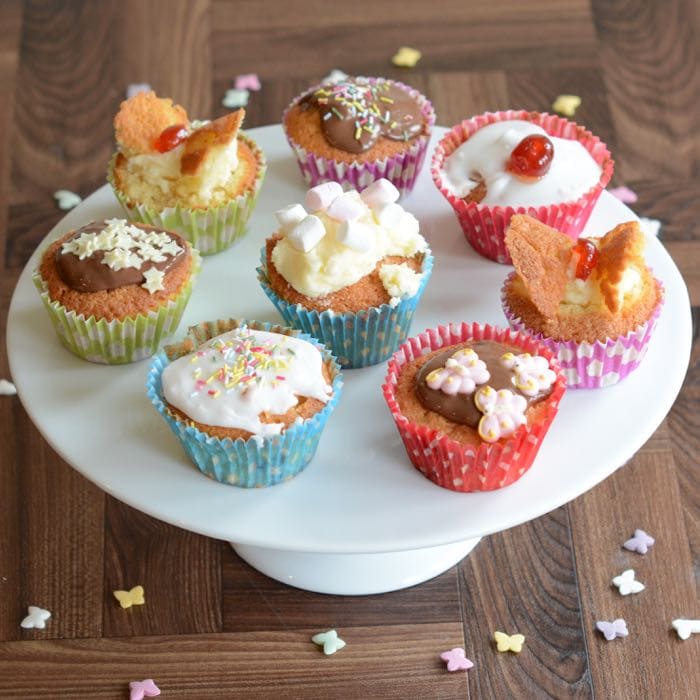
(541, 256)
(619, 249)
(219, 132)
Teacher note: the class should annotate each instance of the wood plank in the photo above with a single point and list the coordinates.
(523, 580)
(252, 601)
(643, 494)
(179, 570)
(389, 661)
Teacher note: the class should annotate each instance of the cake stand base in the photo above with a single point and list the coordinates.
(354, 574)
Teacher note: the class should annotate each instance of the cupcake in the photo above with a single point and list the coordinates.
(248, 401)
(518, 162)
(349, 273)
(114, 290)
(200, 179)
(358, 130)
(472, 403)
(593, 303)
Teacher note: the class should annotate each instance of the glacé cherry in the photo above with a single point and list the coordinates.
(532, 157)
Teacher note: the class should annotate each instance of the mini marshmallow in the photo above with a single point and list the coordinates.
(389, 215)
(380, 192)
(307, 233)
(355, 235)
(319, 198)
(290, 216)
(347, 207)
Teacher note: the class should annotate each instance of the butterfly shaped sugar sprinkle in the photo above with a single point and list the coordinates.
(36, 619)
(7, 388)
(406, 57)
(65, 199)
(126, 599)
(247, 81)
(138, 690)
(235, 98)
(509, 642)
(624, 194)
(612, 629)
(330, 641)
(456, 660)
(566, 105)
(684, 628)
(134, 89)
(335, 76)
(639, 542)
(626, 583)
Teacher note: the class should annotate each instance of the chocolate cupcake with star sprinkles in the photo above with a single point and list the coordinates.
(114, 289)
(358, 130)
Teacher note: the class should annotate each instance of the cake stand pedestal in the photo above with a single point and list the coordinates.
(355, 574)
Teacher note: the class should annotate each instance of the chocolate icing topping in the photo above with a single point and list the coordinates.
(460, 408)
(92, 275)
(355, 113)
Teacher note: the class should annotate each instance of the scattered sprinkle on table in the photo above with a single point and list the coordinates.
(36, 619)
(626, 583)
(330, 641)
(126, 599)
(566, 105)
(456, 660)
(650, 226)
(612, 629)
(7, 388)
(406, 57)
(684, 628)
(235, 98)
(65, 199)
(247, 81)
(509, 642)
(639, 542)
(134, 88)
(624, 194)
(143, 689)
(335, 76)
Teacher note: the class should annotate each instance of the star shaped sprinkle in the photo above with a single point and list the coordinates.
(128, 598)
(509, 642)
(154, 280)
(639, 543)
(7, 388)
(685, 628)
(247, 81)
(330, 641)
(170, 248)
(566, 105)
(406, 57)
(143, 689)
(65, 199)
(235, 98)
(456, 660)
(624, 194)
(134, 88)
(36, 619)
(626, 583)
(612, 629)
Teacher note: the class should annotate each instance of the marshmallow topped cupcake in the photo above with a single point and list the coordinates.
(594, 303)
(348, 268)
(517, 162)
(357, 130)
(199, 178)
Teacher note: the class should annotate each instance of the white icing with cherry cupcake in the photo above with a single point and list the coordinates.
(482, 158)
(234, 378)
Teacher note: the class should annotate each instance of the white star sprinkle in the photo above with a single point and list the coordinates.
(154, 280)
(171, 248)
(36, 619)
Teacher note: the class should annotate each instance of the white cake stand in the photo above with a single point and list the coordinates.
(360, 519)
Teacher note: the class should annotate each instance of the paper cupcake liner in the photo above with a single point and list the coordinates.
(448, 462)
(210, 230)
(484, 226)
(401, 169)
(256, 462)
(593, 365)
(359, 339)
(117, 342)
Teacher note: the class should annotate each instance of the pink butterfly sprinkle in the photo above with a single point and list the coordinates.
(143, 689)
(248, 81)
(610, 630)
(624, 194)
(456, 660)
(639, 543)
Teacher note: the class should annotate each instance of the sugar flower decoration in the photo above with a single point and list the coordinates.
(532, 374)
(504, 412)
(460, 375)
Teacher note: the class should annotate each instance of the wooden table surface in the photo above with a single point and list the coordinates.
(214, 627)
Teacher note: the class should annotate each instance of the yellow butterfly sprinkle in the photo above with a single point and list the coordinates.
(406, 57)
(566, 105)
(128, 598)
(506, 642)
